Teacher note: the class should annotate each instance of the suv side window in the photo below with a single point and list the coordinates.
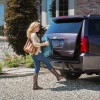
(94, 27)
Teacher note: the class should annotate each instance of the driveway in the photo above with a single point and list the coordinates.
(20, 88)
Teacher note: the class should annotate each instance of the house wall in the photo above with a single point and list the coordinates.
(85, 7)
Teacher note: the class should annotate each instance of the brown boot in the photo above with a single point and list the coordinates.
(58, 76)
(35, 82)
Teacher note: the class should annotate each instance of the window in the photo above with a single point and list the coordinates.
(1, 14)
(53, 8)
(65, 27)
(94, 27)
(63, 7)
(1, 18)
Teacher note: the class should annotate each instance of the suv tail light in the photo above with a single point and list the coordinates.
(84, 44)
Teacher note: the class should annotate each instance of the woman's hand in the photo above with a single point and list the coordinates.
(45, 43)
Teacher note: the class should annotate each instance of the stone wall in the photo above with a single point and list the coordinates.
(4, 47)
(86, 7)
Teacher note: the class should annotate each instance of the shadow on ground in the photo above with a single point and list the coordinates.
(88, 83)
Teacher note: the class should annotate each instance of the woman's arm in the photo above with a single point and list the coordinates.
(35, 43)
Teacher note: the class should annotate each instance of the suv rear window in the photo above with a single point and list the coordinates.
(94, 27)
(65, 26)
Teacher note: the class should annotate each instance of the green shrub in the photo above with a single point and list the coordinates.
(16, 61)
(7, 55)
(28, 62)
(12, 63)
(0, 68)
(18, 16)
(12, 60)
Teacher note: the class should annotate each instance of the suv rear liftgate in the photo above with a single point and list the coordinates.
(65, 40)
(69, 39)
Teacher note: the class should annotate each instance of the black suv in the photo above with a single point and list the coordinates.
(75, 42)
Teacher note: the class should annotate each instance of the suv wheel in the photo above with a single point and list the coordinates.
(70, 75)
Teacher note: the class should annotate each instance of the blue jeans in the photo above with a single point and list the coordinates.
(40, 58)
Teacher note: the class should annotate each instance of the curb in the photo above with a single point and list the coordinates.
(18, 72)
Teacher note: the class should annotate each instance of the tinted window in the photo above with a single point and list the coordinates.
(94, 27)
(65, 27)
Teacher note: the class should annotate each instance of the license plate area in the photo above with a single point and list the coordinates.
(56, 43)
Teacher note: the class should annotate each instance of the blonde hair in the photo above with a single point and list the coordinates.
(31, 28)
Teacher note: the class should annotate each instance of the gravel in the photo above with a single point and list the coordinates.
(20, 88)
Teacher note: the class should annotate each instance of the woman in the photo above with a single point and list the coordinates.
(39, 57)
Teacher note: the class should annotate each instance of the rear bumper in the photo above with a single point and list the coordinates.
(86, 62)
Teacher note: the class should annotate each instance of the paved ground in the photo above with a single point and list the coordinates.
(16, 84)
(20, 88)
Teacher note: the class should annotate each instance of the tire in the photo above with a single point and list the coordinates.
(70, 75)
